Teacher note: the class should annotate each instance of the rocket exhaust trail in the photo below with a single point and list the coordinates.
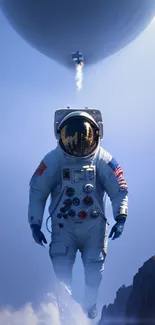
(79, 76)
(77, 58)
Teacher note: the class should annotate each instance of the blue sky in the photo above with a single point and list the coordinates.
(31, 88)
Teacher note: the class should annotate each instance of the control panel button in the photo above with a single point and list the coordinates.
(95, 213)
(76, 201)
(82, 214)
(65, 216)
(59, 215)
(88, 200)
(70, 191)
(67, 202)
(71, 213)
(88, 188)
(64, 209)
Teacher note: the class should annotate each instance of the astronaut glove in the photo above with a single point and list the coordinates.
(38, 235)
(117, 229)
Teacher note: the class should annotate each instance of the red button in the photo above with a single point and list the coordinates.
(82, 214)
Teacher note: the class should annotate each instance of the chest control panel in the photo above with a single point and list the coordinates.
(79, 193)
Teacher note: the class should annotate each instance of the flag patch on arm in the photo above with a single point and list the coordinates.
(39, 171)
(118, 172)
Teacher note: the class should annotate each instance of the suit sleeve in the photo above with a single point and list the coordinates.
(112, 180)
(41, 185)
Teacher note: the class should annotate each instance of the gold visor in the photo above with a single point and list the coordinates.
(79, 137)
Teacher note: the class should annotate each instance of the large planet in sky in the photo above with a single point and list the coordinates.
(97, 28)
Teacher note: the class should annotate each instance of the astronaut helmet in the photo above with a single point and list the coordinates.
(79, 134)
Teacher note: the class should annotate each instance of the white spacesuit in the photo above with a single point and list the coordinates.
(78, 174)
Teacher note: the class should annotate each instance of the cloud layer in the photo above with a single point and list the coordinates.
(58, 309)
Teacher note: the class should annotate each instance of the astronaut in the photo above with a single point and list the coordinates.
(78, 174)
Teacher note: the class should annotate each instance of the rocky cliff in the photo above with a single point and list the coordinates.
(136, 303)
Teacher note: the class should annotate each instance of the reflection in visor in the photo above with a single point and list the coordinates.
(79, 137)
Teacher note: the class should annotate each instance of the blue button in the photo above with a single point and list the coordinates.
(59, 215)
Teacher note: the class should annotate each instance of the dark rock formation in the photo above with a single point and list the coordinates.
(141, 302)
(136, 303)
(117, 309)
